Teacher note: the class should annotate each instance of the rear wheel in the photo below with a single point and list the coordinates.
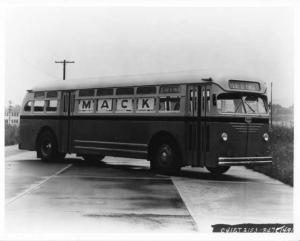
(165, 158)
(218, 170)
(47, 147)
(92, 158)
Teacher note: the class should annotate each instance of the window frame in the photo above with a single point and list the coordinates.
(38, 112)
(170, 111)
(31, 107)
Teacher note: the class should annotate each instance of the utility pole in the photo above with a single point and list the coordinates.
(64, 62)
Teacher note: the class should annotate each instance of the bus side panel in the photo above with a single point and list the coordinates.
(192, 143)
(26, 142)
(94, 133)
(30, 128)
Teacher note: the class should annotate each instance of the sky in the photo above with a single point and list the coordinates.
(136, 40)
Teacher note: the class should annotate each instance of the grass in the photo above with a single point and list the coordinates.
(11, 135)
(282, 150)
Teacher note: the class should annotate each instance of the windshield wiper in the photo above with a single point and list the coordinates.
(249, 106)
(238, 106)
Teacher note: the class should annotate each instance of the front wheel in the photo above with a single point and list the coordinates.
(218, 170)
(165, 159)
(47, 147)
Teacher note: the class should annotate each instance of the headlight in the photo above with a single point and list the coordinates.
(266, 137)
(224, 136)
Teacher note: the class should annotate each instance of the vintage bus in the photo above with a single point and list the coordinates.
(172, 120)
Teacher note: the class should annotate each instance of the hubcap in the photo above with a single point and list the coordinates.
(46, 147)
(165, 155)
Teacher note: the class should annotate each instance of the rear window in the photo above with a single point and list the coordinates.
(27, 106)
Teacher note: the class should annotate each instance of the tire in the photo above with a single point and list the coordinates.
(92, 158)
(218, 170)
(165, 158)
(47, 147)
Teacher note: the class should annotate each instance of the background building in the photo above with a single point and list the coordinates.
(12, 115)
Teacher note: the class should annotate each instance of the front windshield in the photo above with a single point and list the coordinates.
(238, 103)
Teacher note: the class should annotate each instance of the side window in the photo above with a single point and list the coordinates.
(169, 104)
(39, 105)
(167, 89)
(104, 105)
(193, 101)
(146, 90)
(51, 94)
(125, 105)
(105, 91)
(208, 100)
(145, 104)
(51, 105)
(27, 106)
(39, 94)
(86, 106)
(86, 92)
(125, 91)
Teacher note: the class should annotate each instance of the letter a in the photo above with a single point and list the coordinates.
(104, 105)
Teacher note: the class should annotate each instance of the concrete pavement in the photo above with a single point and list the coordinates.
(122, 195)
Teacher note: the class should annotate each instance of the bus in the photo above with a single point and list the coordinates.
(172, 120)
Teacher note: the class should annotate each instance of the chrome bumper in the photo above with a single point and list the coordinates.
(239, 161)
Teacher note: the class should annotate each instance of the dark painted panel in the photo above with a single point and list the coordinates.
(29, 130)
(149, 118)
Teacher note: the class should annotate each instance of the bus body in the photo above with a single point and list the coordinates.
(172, 120)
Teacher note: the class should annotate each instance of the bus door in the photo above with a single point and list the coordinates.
(192, 128)
(197, 127)
(67, 110)
(204, 106)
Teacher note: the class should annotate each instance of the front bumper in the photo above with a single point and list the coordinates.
(239, 161)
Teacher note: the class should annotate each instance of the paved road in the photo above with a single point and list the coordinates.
(122, 195)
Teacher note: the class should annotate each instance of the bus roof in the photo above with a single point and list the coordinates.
(141, 80)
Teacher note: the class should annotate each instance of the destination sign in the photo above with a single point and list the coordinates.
(244, 85)
(170, 89)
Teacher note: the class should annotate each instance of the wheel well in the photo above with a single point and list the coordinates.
(160, 136)
(43, 129)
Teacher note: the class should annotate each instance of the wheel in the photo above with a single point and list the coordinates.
(47, 147)
(92, 157)
(165, 158)
(218, 170)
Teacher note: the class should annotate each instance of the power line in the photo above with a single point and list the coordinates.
(64, 62)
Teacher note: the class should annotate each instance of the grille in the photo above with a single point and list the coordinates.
(242, 127)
